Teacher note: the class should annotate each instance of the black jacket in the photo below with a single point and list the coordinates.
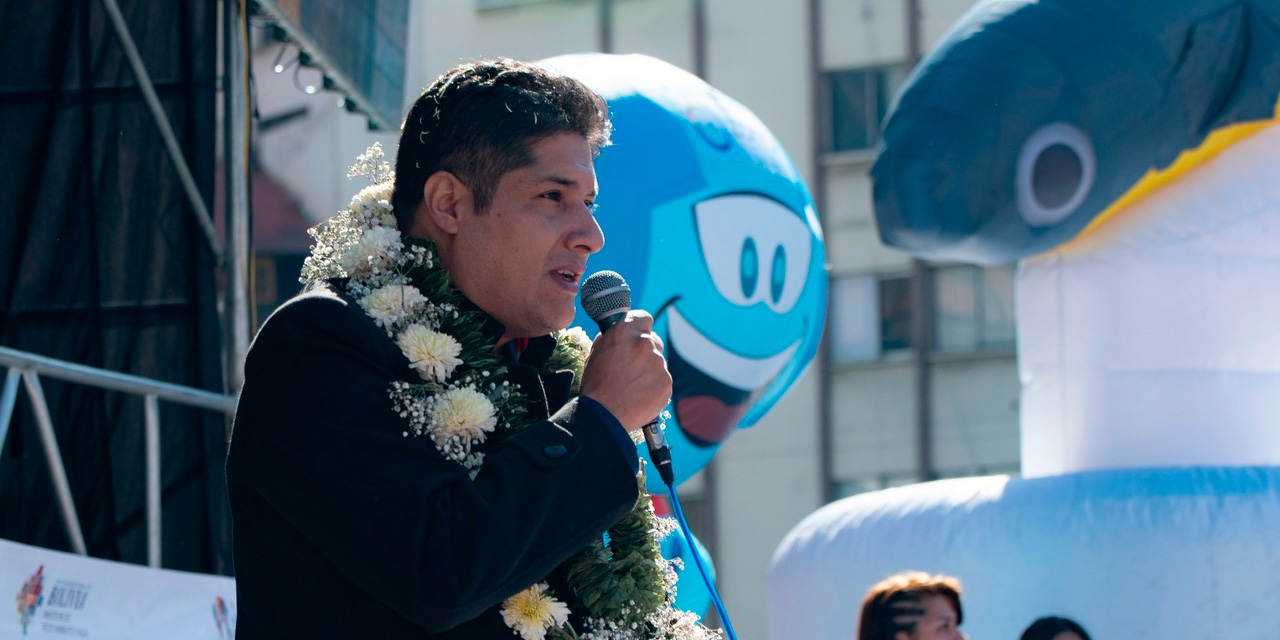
(346, 528)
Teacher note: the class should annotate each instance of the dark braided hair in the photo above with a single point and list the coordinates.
(1049, 627)
(481, 120)
(897, 603)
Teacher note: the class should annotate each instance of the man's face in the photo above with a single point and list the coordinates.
(938, 622)
(523, 259)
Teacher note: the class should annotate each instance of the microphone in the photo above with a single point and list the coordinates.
(606, 298)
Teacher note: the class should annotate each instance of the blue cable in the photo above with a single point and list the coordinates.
(697, 559)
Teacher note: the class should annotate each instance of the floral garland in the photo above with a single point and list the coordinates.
(625, 589)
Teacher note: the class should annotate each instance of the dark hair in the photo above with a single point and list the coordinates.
(480, 120)
(894, 604)
(1048, 627)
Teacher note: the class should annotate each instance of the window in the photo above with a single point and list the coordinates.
(973, 308)
(870, 316)
(859, 101)
(895, 314)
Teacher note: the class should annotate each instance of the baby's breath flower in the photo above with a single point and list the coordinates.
(370, 164)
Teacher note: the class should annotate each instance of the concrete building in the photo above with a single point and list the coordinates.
(917, 378)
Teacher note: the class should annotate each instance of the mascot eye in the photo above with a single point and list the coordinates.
(1055, 172)
(750, 268)
(756, 249)
(778, 278)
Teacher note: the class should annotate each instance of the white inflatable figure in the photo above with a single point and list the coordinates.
(1148, 314)
(1154, 340)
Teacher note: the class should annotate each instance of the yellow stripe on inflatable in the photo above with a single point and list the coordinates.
(1216, 142)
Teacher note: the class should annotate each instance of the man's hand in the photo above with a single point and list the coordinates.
(626, 372)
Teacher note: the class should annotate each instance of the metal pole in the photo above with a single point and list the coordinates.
(700, 38)
(606, 26)
(913, 32)
(921, 307)
(710, 525)
(127, 383)
(921, 340)
(7, 401)
(162, 122)
(817, 132)
(61, 487)
(235, 132)
(151, 413)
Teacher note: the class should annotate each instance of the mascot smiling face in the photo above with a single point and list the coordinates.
(708, 219)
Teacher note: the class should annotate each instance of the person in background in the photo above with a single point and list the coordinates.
(1054, 628)
(912, 606)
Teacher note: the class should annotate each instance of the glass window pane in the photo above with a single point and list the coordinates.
(955, 324)
(895, 314)
(873, 416)
(860, 99)
(997, 307)
(887, 82)
(855, 329)
(974, 408)
(845, 487)
(849, 114)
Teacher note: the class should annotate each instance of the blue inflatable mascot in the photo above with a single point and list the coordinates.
(709, 221)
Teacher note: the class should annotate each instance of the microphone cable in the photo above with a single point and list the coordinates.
(660, 454)
(697, 559)
(606, 298)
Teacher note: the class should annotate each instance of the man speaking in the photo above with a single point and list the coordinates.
(419, 450)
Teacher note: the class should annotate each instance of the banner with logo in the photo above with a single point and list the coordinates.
(62, 595)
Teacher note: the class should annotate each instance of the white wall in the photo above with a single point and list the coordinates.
(873, 409)
(309, 155)
(767, 480)
(861, 33)
(659, 28)
(975, 416)
(853, 244)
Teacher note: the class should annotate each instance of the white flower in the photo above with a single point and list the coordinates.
(462, 414)
(373, 203)
(392, 303)
(433, 354)
(374, 245)
(533, 611)
(577, 338)
(371, 165)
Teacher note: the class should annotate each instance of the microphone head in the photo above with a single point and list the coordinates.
(605, 297)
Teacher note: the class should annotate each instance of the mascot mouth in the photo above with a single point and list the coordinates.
(713, 387)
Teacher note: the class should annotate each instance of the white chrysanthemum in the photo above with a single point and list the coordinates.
(392, 303)
(374, 245)
(576, 337)
(373, 202)
(533, 611)
(462, 413)
(433, 354)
